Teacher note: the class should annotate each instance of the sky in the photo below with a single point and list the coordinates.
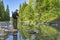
(13, 4)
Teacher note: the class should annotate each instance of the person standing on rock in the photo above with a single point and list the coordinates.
(15, 17)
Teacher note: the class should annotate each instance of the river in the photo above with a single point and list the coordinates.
(10, 37)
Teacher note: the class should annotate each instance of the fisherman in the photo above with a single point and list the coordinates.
(15, 17)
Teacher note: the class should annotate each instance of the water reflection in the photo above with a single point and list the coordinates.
(10, 37)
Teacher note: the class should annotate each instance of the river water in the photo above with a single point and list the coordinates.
(10, 37)
(6, 24)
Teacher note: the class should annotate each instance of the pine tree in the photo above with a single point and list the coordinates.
(42, 11)
(4, 16)
(23, 6)
(2, 11)
(26, 13)
(47, 11)
(7, 14)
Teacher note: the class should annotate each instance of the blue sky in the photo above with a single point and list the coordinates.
(13, 4)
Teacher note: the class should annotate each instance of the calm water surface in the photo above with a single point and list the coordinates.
(10, 37)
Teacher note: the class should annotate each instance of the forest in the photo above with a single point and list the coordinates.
(34, 15)
(4, 14)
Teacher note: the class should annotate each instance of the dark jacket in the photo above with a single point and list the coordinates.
(14, 15)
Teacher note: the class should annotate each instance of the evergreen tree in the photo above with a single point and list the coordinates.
(26, 16)
(23, 6)
(47, 11)
(2, 11)
(7, 14)
(43, 11)
(4, 16)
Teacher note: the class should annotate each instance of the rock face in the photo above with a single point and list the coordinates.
(55, 23)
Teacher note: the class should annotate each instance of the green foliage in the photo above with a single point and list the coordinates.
(3, 16)
(22, 7)
(42, 11)
(2, 11)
